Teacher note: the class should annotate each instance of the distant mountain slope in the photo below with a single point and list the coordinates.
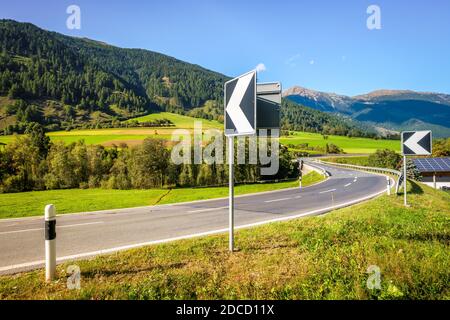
(56, 79)
(300, 118)
(391, 109)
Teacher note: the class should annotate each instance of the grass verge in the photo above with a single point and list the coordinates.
(324, 257)
(357, 161)
(23, 204)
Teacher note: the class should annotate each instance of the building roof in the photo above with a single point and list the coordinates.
(432, 164)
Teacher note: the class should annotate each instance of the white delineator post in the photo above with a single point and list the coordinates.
(388, 186)
(300, 174)
(231, 192)
(50, 242)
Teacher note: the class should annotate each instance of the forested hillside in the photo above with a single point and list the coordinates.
(56, 80)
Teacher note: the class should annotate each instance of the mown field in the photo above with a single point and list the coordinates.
(180, 121)
(357, 161)
(349, 145)
(132, 136)
(323, 257)
(23, 204)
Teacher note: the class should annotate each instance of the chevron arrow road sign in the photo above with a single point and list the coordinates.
(240, 105)
(416, 143)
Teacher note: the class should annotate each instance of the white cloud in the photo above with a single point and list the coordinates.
(261, 67)
(292, 60)
(311, 62)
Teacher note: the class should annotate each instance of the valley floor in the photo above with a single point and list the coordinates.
(133, 136)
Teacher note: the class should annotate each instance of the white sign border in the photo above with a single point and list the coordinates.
(225, 106)
(403, 143)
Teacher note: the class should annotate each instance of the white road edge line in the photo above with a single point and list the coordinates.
(195, 235)
(276, 200)
(326, 191)
(40, 229)
(348, 184)
(206, 210)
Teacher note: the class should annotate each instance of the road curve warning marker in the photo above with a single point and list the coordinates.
(240, 105)
(416, 143)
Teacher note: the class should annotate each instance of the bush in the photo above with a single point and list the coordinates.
(412, 172)
(13, 184)
(385, 159)
(332, 148)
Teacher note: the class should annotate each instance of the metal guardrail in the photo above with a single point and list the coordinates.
(362, 168)
(322, 171)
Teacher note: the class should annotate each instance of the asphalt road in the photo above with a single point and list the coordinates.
(88, 234)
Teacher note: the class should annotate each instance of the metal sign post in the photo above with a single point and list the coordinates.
(414, 143)
(231, 192)
(404, 182)
(248, 107)
(240, 120)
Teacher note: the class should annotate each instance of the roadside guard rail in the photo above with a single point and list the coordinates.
(320, 170)
(363, 168)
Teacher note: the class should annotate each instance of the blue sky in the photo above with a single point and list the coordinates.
(322, 45)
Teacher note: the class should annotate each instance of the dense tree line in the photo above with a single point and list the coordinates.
(32, 162)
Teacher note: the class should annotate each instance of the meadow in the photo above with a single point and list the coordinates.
(23, 204)
(354, 160)
(349, 145)
(322, 257)
(130, 136)
(180, 121)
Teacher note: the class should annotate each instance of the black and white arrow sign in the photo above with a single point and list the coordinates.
(240, 105)
(416, 143)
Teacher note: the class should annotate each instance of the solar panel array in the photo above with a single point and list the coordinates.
(432, 164)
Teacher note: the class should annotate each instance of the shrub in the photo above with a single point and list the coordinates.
(385, 159)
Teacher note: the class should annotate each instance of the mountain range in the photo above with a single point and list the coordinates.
(384, 109)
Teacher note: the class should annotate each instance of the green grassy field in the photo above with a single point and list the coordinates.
(323, 257)
(129, 136)
(14, 205)
(357, 161)
(349, 145)
(180, 121)
(132, 136)
(104, 136)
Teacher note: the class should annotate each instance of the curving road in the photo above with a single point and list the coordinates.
(89, 234)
